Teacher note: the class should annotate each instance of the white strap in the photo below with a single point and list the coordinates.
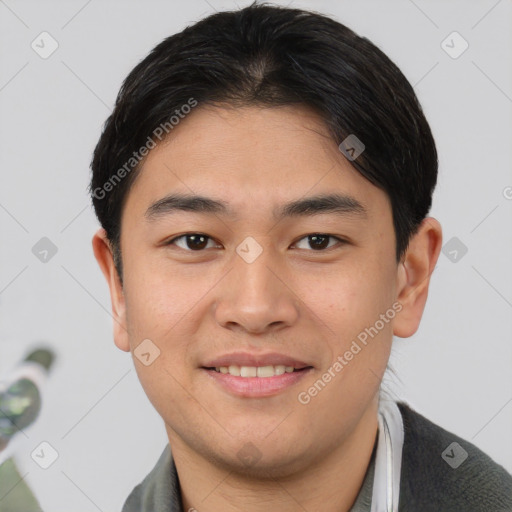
(388, 462)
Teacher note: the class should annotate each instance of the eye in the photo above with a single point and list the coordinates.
(198, 241)
(191, 241)
(319, 241)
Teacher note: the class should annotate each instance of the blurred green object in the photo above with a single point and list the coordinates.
(20, 405)
(15, 495)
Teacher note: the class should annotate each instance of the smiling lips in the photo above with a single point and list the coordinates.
(246, 359)
(256, 375)
(255, 371)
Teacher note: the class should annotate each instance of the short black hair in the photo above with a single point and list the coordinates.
(266, 55)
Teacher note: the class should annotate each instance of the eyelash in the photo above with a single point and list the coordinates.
(184, 236)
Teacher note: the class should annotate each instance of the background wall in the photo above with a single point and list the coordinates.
(456, 370)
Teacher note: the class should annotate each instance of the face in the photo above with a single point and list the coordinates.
(285, 262)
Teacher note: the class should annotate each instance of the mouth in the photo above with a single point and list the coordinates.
(256, 381)
(256, 371)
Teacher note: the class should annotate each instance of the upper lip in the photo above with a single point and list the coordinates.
(248, 359)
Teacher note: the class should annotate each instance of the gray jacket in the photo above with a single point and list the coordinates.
(428, 482)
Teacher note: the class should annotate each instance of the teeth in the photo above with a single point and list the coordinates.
(279, 370)
(248, 371)
(265, 371)
(255, 371)
(234, 370)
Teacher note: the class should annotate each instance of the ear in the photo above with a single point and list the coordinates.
(104, 257)
(413, 277)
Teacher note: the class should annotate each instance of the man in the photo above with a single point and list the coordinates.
(263, 186)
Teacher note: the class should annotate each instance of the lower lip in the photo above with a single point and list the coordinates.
(257, 387)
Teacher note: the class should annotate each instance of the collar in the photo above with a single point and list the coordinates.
(160, 490)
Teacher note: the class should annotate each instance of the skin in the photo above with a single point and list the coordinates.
(293, 299)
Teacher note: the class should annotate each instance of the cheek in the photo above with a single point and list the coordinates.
(356, 306)
(168, 306)
(157, 298)
(158, 309)
(350, 299)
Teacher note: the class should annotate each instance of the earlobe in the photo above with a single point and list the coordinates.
(413, 276)
(104, 257)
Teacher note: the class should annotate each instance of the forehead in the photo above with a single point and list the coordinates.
(253, 158)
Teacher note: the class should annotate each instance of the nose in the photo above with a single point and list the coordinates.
(256, 297)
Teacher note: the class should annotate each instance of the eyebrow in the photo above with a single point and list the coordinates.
(343, 205)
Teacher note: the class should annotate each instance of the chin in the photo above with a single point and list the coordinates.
(263, 466)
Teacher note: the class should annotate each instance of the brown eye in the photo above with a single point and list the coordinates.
(191, 241)
(319, 241)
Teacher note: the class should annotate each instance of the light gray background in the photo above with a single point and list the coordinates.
(456, 370)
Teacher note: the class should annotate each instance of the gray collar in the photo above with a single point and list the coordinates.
(159, 491)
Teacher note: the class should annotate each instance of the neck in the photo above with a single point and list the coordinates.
(330, 484)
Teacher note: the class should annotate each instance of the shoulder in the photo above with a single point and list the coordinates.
(159, 491)
(442, 472)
